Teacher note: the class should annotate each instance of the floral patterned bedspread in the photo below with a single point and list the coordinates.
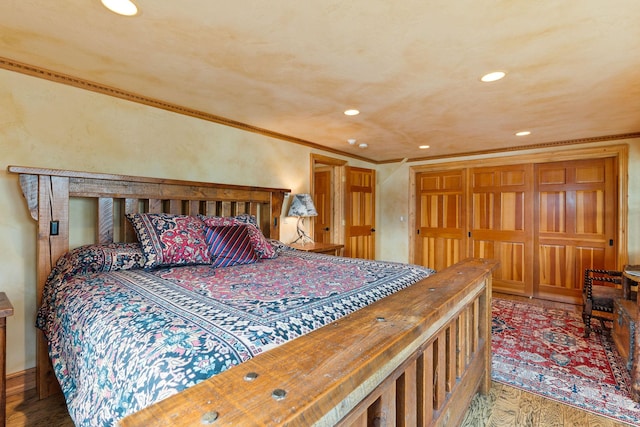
(121, 340)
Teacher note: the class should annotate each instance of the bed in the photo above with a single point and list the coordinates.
(411, 348)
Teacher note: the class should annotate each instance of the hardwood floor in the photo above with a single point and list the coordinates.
(25, 410)
(509, 406)
(504, 406)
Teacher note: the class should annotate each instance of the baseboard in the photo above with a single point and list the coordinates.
(19, 382)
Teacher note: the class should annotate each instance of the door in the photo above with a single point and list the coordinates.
(576, 224)
(441, 223)
(501, 224)
(323, 199)
(359, 212)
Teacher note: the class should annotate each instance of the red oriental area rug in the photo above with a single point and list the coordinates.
(543, 351)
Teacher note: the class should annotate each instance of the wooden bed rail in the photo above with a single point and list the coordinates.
(415, 358)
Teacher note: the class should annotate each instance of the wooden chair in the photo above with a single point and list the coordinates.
(601, 288)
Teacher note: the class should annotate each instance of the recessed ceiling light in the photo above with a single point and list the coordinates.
(523, 133)
(351, 141)
(492, 77)
(423, 147)
(121, 7)
(363, 145)
(352, 112)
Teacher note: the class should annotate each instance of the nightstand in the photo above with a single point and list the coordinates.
(321, 248)
(6, 309)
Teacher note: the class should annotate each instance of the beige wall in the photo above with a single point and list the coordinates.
(45, 124)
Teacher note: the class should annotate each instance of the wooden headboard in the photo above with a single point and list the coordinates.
(48, 193)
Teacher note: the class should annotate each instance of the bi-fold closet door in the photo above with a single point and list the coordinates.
(544, 222)
(577, 225)
(501, 224)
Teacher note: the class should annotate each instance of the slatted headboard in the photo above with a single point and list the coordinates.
(48, 193)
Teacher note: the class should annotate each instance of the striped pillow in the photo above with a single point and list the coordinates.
(263, 248)
(230, 245)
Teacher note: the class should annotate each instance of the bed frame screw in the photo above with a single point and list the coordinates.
(250, 376)
(209, 417)
(279, 394)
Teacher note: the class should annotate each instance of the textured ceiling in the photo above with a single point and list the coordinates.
(412, 67)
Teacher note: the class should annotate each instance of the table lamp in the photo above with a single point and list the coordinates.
(302, 206)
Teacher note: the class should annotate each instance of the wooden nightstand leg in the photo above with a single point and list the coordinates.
(6, 309)
(635, 370)
(3, 371)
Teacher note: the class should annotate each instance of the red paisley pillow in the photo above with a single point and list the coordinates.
(168, 239)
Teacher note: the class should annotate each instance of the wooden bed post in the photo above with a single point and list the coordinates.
(53, 208)
(276, 208)
(485, 331)
(48, 201)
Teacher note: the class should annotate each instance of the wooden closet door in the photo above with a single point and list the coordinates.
(441, 235)
(501, 225)
(576, 224)
(360, 218)
(322, 198)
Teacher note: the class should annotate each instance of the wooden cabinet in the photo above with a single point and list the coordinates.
(321, 248)
(6, 309)
(624, 328)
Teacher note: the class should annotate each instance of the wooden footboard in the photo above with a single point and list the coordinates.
(415, 358)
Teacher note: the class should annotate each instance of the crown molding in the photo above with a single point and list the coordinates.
(551, 144)
(54, 76)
